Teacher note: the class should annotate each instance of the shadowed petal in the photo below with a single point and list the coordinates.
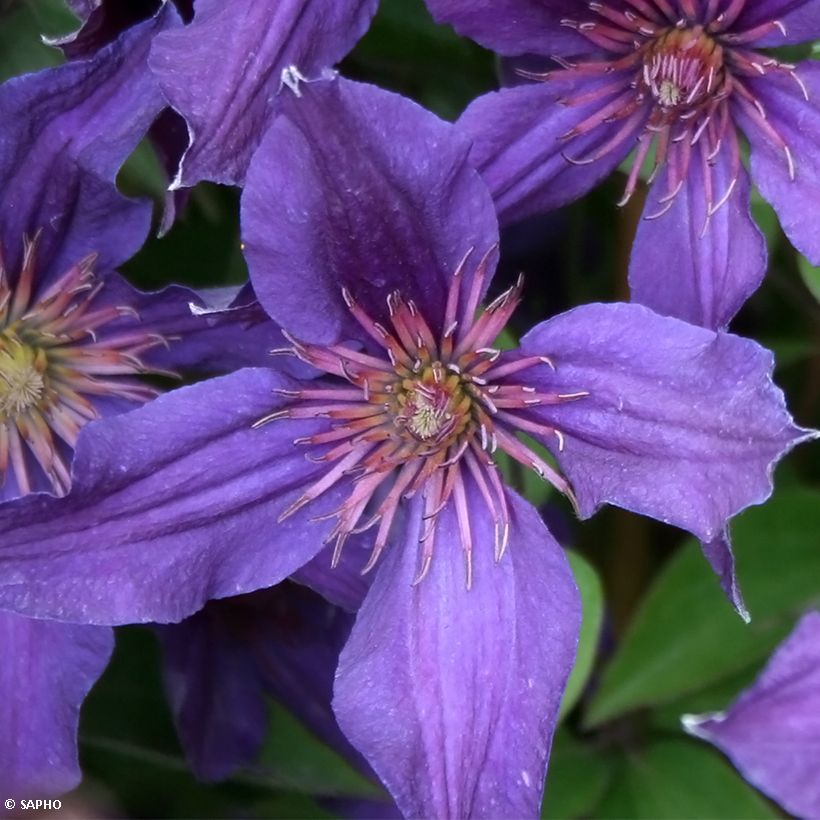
(801, 19)
(47, 670)
(450, 693)
(171, 505)
(772, 731)
(681, 423)
(797, 121)
(224, 71)
(519, 143)
(359, 187)
(89, 114)
(679, 270)
(515, 26)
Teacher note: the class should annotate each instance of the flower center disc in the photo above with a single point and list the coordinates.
(683, 68)
(21, 376)
(434, 408)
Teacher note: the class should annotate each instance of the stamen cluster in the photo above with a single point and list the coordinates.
(53, 366)
(678, 73)
(423, 415)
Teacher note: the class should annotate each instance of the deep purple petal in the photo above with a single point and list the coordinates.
(450, 693)
(66, 132)
(680, 270)
(801, 19)
(797, 121)
(721, 558)
(172, 504)
(359, 187)
(681, 423)
(772, 731)
(47, 670)
(514, 27)
(224, 71)
(342, 585)
(519, 143)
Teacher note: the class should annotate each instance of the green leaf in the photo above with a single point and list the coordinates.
(577, 779)
(592, 601)
(680, 779)
(811, 276)
(686, 637)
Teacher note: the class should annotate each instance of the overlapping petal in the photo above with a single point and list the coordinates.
(681, 423)
(450, 693)
(772, 731)
(89, 115)
(694, 264)
(171, 505)
(521, 145)
(800, 19)
(397, 212)
(47, 670)
(224, 71)
(797, 121)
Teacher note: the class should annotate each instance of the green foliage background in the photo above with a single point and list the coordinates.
(659, 639)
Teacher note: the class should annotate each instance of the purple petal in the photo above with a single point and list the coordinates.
(721, 558)
(222, 663)
(797, 121)
(450, 693)
(66, 132)
(681, 423)
(772, 731)
(520, 145)
(680, 270)
(342, 585)
(801, 19)
(359, 187)
(224, 72)
(171, 505)
(514, 27)
(47, 670)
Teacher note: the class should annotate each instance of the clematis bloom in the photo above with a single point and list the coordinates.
(678, 82)
(372, 240)
(772, 731)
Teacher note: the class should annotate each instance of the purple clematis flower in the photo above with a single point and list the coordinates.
(263, 47)
(678, 81)
(373, 241)
(772, 731)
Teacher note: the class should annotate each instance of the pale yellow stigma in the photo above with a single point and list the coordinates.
(426, 419)
(669, 94)
(21, 379)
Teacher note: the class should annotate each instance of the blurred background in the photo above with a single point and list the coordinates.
(659, 639)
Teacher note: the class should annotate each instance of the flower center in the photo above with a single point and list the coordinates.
(21, 376)
(683, 68)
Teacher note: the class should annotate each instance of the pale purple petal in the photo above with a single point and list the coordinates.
(772, 731)
(801, 19)
(702, 276)
(66, 132)
(514, 27)
(797, 121)
(450, 693)
(359, 187)
(46, 672)
(224, 71)
(721, 558)
(171, 505)
(681, 423)
(519, 142)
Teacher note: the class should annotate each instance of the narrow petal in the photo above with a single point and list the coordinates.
(514, 27)
(681, 423)
(799, 18)
(683, 267)
(47, 670)
(772, 731)
(228, 101)
(721, 558)
(172, 504)
(521, 147)
(361, 188)
(66, 132)
(450, 693)
(797, 121)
